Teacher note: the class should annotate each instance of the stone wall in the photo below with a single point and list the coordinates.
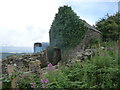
(22, 62)
(90, 34)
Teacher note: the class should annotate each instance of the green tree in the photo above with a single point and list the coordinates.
(109, 27)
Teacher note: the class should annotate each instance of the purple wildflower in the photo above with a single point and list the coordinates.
(31, 83)
(10, 74)
(42, 81)
(46, 81)
(111, 48)
(118, 51)
(43, 86)
(49, 65)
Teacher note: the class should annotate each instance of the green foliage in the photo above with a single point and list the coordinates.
(93, 42)
(26, 82)
(109, 27)
(80, 75)
(57, 79)
(67, 30)
(7, 79)
(101, 71)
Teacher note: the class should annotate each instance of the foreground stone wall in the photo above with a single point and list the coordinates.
(22, 62)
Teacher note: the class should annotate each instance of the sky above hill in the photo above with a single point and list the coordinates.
(24, 22)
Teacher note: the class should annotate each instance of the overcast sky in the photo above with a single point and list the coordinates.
(24, 22)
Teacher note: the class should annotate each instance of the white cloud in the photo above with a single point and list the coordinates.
(23, 22)
(16, 13)
(13, 37)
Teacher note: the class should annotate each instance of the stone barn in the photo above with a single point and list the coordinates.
(70, 33)
(92, 33)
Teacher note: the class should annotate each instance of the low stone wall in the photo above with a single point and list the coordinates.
(22, 62)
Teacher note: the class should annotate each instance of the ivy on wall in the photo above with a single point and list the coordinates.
(67, 30)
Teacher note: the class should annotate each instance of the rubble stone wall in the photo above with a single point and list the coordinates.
(22, 62)
(90, 34)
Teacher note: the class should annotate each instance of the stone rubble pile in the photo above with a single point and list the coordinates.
(82, 55)
(22, 62)
(86, 54)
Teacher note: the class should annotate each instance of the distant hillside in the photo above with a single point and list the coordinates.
(17, 49)
(4, 55)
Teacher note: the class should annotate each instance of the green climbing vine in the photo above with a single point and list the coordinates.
(67, 30)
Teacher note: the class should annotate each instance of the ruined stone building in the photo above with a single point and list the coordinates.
(90, 34)
(70, 33)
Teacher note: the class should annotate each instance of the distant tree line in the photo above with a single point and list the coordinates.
(109, 27)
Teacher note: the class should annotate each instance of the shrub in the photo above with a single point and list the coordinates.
(57, 79)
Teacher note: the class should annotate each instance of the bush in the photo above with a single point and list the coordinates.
(101, 71)
(57, 79)
(32, 81)
(94, 42)
(109, 27)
